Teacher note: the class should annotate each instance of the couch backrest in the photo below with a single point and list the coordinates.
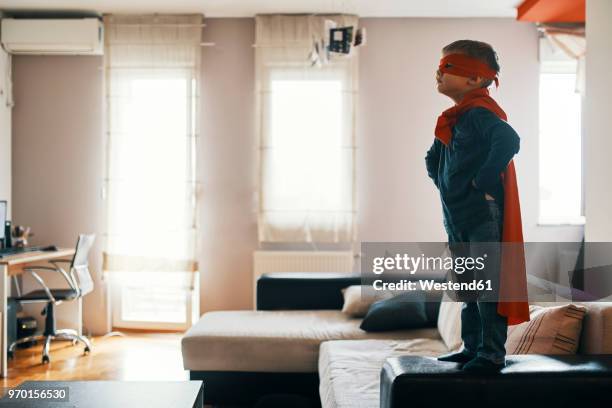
(596, 329)
(303, 290)
(321, 290)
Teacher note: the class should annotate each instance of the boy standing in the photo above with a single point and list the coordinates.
(470, 163)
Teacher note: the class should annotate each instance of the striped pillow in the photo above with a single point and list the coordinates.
(551, 330)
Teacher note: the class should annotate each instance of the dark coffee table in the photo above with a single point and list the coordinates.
(105, 394)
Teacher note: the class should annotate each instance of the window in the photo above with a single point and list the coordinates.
(147, 197)
(150, 199)
(307, 160)
(152, 76)
(560, 149)
(306, 124)
(152, 303)
(157, 303)
(306, 131)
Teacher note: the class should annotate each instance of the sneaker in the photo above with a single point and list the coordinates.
(481, 365)
(459, 357)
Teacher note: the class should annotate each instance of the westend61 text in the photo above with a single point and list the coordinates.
(430, 284)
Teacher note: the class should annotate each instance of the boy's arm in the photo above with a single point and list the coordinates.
(505, 143)
(432, 160)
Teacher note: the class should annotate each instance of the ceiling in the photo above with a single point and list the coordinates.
(248, 8)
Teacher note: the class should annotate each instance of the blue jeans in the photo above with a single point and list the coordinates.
(483, 330)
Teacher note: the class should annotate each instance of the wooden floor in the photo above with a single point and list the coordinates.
(134, 357)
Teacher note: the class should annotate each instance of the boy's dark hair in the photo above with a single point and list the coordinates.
(475, 49)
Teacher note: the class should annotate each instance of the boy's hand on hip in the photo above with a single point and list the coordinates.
(487, 196)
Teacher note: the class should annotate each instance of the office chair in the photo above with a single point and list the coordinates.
(79, 286)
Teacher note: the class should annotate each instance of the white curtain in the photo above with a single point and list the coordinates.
(570, 38)
(152, 68)
(306, 128)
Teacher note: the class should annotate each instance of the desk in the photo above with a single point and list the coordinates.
(13, 265)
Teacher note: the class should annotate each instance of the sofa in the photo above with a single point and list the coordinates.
(299, 344)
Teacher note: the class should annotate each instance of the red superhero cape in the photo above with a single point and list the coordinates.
(513, 278)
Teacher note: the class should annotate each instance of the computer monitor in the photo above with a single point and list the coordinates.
(2, 219)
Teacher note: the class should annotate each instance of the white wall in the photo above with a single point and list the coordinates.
(5, 131)
(58, 162)
(226, 165)
(598, 108)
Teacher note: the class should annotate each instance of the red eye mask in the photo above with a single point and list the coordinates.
(462, 65)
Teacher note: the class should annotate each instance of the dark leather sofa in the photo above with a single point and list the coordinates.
(574, 381)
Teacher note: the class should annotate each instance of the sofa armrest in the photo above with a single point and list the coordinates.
(303, 290)
(527, 380)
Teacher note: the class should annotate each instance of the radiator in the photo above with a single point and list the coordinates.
(300, 261)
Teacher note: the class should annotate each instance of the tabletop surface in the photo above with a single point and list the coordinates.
(105, 394)
(36, 256)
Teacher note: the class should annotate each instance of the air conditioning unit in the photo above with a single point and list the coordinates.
(81, 36)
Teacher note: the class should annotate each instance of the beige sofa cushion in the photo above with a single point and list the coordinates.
(449, 323)
(349, 371)
(596, 329)
(273, 341)
(551, 330)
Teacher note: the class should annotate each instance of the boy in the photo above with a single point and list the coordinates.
(470, 155)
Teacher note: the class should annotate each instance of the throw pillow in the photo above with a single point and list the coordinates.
(551, 330)
(405, 311)
(359, 298)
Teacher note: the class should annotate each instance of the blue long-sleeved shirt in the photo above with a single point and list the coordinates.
(480, 150)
